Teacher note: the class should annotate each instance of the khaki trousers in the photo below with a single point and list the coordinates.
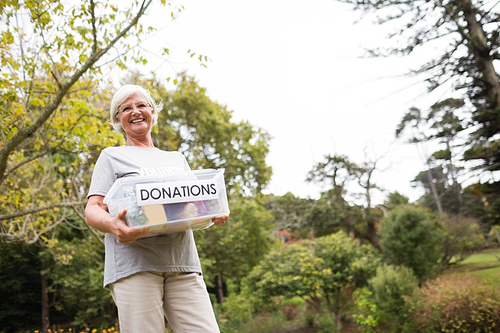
(145, 298)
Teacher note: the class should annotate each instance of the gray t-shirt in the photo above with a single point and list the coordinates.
(166, 253)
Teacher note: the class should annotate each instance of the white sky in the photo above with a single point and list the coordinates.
(294, 68)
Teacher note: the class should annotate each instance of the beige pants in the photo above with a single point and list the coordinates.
(143, 299)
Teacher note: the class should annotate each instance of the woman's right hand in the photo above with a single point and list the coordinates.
(97, 216)
(123, 233)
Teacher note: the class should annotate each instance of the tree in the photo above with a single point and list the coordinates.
(19, 286)
(328, 268)
(331, 213)
(463, 236)
(290, 213)
(441, 126)
(466, 33)
(229, 253)
(411, 236)
(395, 199)
(341, 172)
(53, 54)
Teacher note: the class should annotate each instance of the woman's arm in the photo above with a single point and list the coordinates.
(96, 216)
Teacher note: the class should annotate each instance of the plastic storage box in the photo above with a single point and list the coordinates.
(170, 203)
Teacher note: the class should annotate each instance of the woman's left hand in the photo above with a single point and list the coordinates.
(220, 220)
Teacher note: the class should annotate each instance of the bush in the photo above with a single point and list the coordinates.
(366, 316)
(410, 236)
(392, 287)
(456, 303)
(327, 324)
(463, 235)
(327, 269)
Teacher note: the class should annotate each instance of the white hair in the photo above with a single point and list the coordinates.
(122, 94)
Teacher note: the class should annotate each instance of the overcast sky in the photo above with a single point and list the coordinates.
(297, 70)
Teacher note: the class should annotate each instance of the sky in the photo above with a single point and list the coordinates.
(298, 70)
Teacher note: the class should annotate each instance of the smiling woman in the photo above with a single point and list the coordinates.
(136, 119)
(148, 277)
(134, 112)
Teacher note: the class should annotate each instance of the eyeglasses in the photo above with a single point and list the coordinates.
(141, 106)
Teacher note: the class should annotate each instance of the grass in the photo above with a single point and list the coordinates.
(484, 264)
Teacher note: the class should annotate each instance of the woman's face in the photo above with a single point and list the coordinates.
(135, 115)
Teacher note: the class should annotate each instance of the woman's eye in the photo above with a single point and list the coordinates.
(141, 106)
(127, 109)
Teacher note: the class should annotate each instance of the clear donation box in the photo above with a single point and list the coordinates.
(170, 203)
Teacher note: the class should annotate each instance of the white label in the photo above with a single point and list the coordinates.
(167, 193)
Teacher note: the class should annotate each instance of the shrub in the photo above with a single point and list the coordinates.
(410, 236)
(237, 307)
(327, 269)
(366, 315)
(392, 287)
(327, 324)
(457, 303)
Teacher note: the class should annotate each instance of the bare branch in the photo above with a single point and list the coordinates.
(39, 209)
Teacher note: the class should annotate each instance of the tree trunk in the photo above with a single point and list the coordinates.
(219, 292)
(372, 234)
(434, 191)
(483, 58)
(45, 299)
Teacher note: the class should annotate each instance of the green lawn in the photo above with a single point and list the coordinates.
(483, 264)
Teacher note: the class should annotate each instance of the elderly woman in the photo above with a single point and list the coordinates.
(149, 278)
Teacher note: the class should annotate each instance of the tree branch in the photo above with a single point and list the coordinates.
(42, 208)
(25, 133)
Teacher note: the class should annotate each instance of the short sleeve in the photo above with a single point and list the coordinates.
(103, 176)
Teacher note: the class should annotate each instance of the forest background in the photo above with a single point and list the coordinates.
(58, 64)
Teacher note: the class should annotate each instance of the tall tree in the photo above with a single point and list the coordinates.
(412, 237)
(441, 127)
(466, 33)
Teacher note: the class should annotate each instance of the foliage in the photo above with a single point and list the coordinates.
(334, 210)
(76, 272)
(332, 213)
(290, 213)
(457, 303)
(366, 315)
(327, 324)
(267, 323)
(462, 237)
(328, 268)
(410, 236)
(395, 199)
(19, 286)
(53, 54)
(233, 250)
(441, 125)
(392, 287)
(237, 307)
(465, 33)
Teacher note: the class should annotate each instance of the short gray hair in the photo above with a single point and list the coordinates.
(122, 94)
